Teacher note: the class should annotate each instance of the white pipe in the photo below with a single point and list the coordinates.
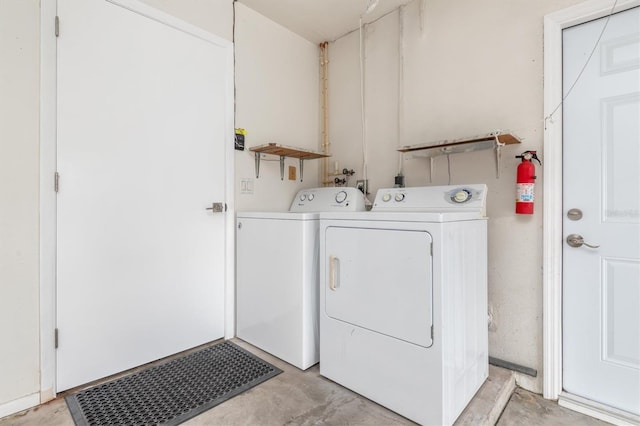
(362, 103)
(400, 85)
(324, 75)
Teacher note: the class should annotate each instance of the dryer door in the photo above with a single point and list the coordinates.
(381, 280)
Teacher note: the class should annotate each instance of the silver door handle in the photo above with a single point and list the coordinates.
(218, 207)
(575, 240)
(333, 261)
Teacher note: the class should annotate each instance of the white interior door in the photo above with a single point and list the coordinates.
(142, 110)
(601, 285)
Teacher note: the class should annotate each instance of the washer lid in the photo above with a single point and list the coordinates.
(279, 215)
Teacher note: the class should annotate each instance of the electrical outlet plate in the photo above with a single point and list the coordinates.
(363, 186)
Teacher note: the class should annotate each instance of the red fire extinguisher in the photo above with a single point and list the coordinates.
(525, 182)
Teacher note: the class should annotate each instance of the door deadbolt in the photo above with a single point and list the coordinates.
(574, 214)
(575, 240)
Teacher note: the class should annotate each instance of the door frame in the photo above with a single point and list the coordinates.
(48, 157)
(554, 23)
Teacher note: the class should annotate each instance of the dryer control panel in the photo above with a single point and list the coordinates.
(328, 200)
(463, 198)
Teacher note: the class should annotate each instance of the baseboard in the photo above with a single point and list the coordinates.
(19, 404)
(597, 410)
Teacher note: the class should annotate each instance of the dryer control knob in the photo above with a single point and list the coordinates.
(399, 196)
(341, 196)
(303, 197)
(461, 196)
(311, 197)
(386, 197)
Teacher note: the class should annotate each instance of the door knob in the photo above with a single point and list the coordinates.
(575, 240)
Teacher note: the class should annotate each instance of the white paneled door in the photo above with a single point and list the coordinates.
(143, 107)
(601, 206)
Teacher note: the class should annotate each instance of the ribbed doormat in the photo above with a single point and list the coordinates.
(172, 393)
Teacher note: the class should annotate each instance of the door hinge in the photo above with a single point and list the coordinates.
(57, 26)
(55, 338)
(56, 182)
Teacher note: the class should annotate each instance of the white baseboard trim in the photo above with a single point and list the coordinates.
(597, 410)
(19, 404)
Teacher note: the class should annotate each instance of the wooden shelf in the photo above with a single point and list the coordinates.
(284, 151)
(495, 140)
(449, 146)
(288, 151)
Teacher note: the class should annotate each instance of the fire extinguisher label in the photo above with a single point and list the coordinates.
(524, 192)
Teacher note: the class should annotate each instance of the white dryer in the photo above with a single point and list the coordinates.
(277, 274)
(403, 300)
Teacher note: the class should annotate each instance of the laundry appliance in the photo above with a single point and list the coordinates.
(277, 273)
(403, 300)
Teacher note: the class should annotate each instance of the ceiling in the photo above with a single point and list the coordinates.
(321, 20)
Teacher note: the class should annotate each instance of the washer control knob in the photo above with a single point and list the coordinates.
(399, 197)
(341, 196)
(311, 197)
(386, 197)
(303, 197)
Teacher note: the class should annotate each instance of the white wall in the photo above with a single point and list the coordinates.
(475, 68)
(19, 185)
(215, 16)
(277, 100)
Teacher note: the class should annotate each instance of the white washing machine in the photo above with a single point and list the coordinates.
(403, 300)
(277, 274)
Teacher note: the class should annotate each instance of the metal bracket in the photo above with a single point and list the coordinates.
(282, 167)
(499, 146)
(301, 169)
(257, 159)
(431, 169)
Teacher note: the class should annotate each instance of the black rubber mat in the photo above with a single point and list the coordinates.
(172, 393)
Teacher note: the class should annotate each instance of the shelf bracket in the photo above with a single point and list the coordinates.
(499, 146)
(282, 167)
(301, 168)
(257, 158)
(432, 166)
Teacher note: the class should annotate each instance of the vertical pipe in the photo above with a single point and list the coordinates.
(400, 86)
(363, 113)
(324, 76)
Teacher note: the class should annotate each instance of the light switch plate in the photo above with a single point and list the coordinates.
(246, 186)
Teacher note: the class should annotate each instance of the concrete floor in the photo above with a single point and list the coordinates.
(305, 398)
(526, 409)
